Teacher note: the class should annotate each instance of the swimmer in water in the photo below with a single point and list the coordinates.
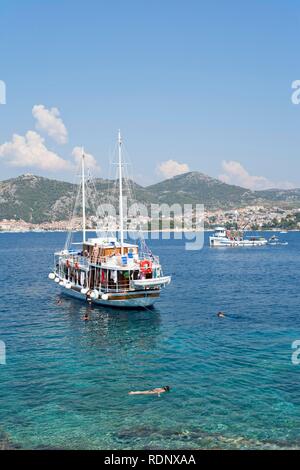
(154, 391)
(59, 301)
(86, 316)
(221, 315)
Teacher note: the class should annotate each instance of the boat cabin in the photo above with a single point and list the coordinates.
(220, 232)
(99, 250)
(101, 265)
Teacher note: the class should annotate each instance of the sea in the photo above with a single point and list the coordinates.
(234, 381)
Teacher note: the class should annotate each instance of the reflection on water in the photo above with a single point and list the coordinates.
(106, 327)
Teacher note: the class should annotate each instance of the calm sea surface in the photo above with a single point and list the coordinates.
(66, 381)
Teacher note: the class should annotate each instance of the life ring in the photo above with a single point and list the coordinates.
(146, 266)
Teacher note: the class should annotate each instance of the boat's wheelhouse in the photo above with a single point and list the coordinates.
(220, 232)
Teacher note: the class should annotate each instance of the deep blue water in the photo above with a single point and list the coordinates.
(66, 381)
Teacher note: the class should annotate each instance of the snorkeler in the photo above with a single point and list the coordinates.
(154, 391)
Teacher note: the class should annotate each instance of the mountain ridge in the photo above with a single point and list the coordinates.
(38, 199)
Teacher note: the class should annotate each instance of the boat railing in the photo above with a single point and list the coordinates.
(74, 259)
(116, 260)
(99, 260)
(77, 260)
(113, 288)
(148, 257)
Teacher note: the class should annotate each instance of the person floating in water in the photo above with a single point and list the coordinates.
(86, 316)
(59, 302)
(221, 315)
(154, 391)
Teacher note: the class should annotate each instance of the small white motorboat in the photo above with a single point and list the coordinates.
(274, 240)
(234, 238)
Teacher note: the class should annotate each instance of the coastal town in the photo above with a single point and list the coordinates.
(246, 218)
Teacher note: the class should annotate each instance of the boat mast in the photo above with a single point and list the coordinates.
(121, 194)
(83, 196)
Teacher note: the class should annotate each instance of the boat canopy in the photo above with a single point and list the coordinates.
(108, 242)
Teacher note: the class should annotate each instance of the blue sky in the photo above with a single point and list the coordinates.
(191, 83)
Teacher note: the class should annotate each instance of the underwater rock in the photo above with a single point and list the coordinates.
(6, 442)
(198, 438)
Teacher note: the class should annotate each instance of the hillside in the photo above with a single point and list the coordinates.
(289, 197)
(37, 199)
(195, 187)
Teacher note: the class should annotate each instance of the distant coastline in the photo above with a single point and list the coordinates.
(144, 231)
(33, 201)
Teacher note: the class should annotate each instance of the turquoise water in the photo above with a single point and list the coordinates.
(66, 381)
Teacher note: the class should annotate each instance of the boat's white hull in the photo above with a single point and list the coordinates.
(219, 242)
(278, 243)
(135, 299)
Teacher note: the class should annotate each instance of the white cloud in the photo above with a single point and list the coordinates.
(171, 168)
(30, 151)
(48, 121)
(90, 160)
(235, 173)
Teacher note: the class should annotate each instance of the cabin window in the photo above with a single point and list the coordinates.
(123, 279)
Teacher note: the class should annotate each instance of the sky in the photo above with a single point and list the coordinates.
(193, 85)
